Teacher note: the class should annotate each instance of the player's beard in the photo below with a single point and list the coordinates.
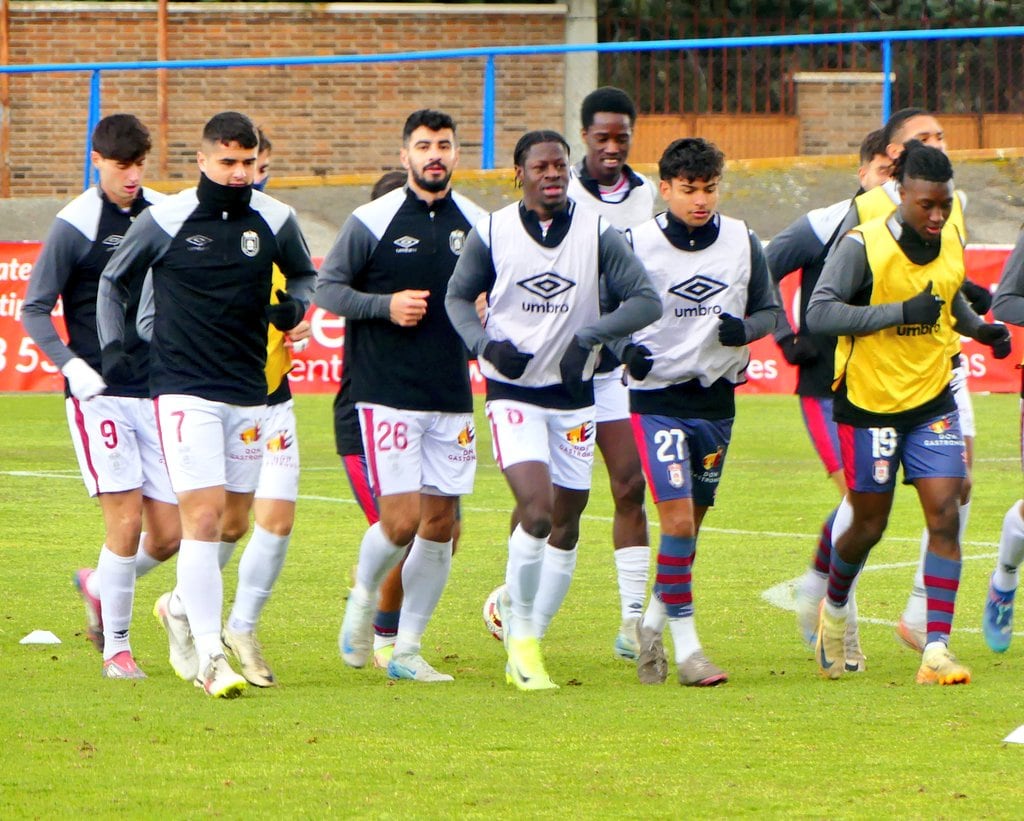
(434, 186)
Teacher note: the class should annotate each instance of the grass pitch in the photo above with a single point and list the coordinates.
(331, 742)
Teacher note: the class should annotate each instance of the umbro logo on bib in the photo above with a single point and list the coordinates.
(698, 288)
(547, 285)
(406, 245)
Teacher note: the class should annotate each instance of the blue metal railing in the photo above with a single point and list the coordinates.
(488, 54)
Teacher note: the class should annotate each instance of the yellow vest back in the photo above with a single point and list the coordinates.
(279, 358)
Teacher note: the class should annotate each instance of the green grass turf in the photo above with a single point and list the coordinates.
(775, 741)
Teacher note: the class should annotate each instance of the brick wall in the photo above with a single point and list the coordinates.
(836, 110)
(323, 120)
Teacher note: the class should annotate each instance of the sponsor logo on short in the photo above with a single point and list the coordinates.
(457, 241)
(880, 471)
(580, 434)
(466, 436)
(675, 474)
(250, 243)
(939, 425)
(250, 435)
(198, 242)
(406, 245)
(714, 460)
(279, 441)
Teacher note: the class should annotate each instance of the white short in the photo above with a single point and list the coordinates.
(117, 445)
(561, 439)
(964, 405)
(210, 444)
(611, 397)
(279, 470)
(411, 451)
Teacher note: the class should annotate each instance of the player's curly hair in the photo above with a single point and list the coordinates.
(691, 158)
(922, 162)
(607, 98)
(532, 138)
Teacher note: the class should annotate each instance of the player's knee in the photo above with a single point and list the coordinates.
(162, 546)
(536, 522)
(628, 491)
(400, 530)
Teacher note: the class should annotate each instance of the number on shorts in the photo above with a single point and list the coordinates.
(883, 442)
(181, 421)
(392, 437)
(670, 445)
(108, 430)
(514, 416)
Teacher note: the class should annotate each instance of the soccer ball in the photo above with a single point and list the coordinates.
(492, 618)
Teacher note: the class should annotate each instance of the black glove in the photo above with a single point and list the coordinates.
(572, 363)
(997, 337)
(637, 359)
(507, 358)
(979, 297)
(798, 350)
(287, 313)
(922, 309)
(116, 365)
(731, 331)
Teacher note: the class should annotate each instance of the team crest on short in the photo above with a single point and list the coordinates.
(675, 475)
(250, 243)
(466, 435)
(457, 241)
(713, 460)
(880, 471)
(580, 434)
(250, 435)
(279, 441)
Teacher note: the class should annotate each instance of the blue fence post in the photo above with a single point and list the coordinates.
(886, 80)
(487, 158)
(92, 121)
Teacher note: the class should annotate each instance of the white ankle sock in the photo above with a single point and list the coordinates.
(632, 565)
(143, 561)
(555, 577)
(224, 553)
(117, 592)
(684, 637)
(655, 616)
(1011, 550)
(424, 576)
(201, 589)
(258, 569)
(522, 577)
(377, 555)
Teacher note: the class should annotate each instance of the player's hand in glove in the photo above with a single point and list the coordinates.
(922, 309)
(83, 382)
(978, 296)
(637, 359)
(798, 350)
(572, 363)
(997, 337)
(287, 313)
(731, 331)
(507, 358)
(117, 365)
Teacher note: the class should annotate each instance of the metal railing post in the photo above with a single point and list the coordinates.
(487, 138)
(91, 121)
(886, 80)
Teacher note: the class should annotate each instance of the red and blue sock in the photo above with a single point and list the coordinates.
(674, 579)
(941, 582)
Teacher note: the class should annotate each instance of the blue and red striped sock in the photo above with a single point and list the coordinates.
(824, 553)
(673, 582)
(841, 576)
(941, 582)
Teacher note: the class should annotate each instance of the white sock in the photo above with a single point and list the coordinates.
(117, 592)
(522, 578)
(843, 520)
(1011, 550)
(201, 589)
(424, 576)
(92, 584)
(915, 614)
(258, 569)
(684, 637)
(224, 553)
(655, 616)
(143, 561)
(555, 577)
(632, 564)
(377, 555)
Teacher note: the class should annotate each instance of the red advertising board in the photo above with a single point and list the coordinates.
(318, 368)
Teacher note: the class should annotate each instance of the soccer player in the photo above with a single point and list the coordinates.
(278, 488)
(891, 290)
(918, 124)
(997, 620)
(603, 182)
(554, 274)
(211, 250)
(717, 297)
(387, 274)
(803, 246)
(112, 424)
